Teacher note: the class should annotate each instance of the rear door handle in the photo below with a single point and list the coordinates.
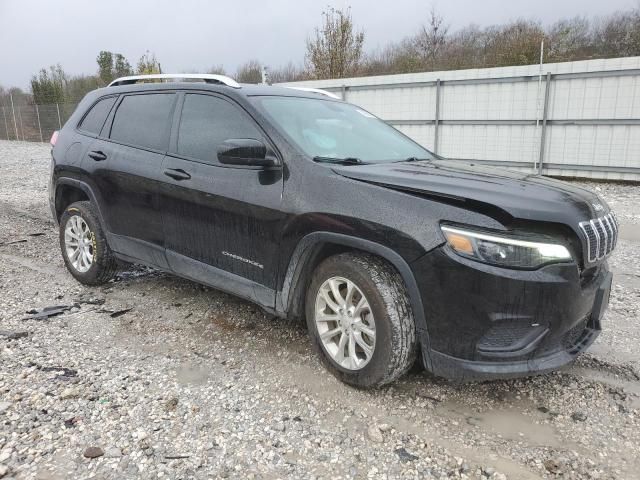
(177, 174)
(97, 155)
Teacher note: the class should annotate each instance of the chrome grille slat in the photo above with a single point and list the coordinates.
(598, 238)
(609, 229)
(604, 238)
(601, 235)
(614, 223)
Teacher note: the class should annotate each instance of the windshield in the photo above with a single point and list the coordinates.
(325, 129)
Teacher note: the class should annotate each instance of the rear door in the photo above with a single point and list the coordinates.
(221, 223)
(130, 160)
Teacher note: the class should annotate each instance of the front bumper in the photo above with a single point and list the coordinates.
(485, 322)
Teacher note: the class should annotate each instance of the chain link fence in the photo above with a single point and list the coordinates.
(33, 123)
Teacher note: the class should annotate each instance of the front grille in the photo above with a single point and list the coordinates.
(601, 235)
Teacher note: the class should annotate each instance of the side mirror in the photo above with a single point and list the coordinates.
(246, 152)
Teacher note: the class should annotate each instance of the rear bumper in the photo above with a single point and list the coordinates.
(52, 206)
(486, 323)
(52, 194)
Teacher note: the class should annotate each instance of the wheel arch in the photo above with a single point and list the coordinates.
(315, 247)
(71, 190)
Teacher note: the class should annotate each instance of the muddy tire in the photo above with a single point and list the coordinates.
(380, 343)
(84, 246)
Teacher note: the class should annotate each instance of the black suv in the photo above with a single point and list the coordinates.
(314, 208)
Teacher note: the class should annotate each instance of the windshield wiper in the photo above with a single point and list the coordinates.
(341, 161)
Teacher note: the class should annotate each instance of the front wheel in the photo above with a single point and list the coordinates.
(84, 246)
(360, 320)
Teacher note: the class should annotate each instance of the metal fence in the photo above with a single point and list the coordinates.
(33, 123)
(577, 119)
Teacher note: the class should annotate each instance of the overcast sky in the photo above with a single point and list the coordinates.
(196, 34)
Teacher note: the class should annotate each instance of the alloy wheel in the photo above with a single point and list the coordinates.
(345, 323)
(78, 242)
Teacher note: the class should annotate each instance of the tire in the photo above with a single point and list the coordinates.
(394, 348)
(103, 264)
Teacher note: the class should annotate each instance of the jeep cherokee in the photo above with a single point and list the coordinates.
(314, 208)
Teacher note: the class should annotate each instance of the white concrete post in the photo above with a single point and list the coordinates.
(39, 126)
(6, 125)
(15, 124)
(59, 122)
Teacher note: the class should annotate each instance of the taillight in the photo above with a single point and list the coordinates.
(54, 138)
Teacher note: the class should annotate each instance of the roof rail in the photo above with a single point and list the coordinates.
(206, 77)
(317, 90)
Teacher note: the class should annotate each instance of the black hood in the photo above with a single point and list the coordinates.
(518, 195)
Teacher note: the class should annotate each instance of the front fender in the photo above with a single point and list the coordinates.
(309, 246)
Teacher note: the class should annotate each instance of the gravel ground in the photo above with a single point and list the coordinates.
(194, 383)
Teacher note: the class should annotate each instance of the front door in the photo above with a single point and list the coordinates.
(221, 223)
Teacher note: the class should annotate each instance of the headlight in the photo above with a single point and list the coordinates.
(503, 251)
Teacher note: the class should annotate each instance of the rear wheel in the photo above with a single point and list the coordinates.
(360, 320)
(84, 247)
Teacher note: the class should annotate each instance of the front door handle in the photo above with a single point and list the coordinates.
(97, 155)
(177, 174)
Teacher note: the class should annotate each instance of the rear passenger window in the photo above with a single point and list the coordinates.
(143, 120)
(94, 120)
(206, 122)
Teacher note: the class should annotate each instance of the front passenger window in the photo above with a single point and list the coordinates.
(208, 121)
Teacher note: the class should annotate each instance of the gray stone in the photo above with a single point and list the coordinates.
(375, 434)
(579, 416)
(405, 456)
(93, 452)
(69, 393)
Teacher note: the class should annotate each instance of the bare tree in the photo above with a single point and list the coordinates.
(288, 73)
(219, 69)
(395, 58)
(618, 35)
(249, 72)
(517, 43)
(148, 64)
(465, 48)
(336, 49)
(432, 38)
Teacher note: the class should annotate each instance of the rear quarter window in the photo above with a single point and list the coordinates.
(95, 118)
(144, 120)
